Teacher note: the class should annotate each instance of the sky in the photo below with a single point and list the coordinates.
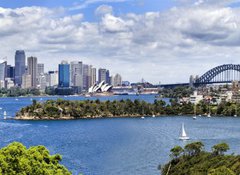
(161, 41)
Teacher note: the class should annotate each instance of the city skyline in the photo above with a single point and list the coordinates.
(144, 41)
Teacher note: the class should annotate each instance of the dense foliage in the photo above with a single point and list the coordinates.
(58, 109)
(177, 92)
(17, 159)
(16, 92)
(193, 160)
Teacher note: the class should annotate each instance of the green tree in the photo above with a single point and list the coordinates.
(221, 171)
(194, 148)
(220, 148)
(17, 159)
(176, 152)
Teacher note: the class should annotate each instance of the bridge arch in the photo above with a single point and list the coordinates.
(220, 74)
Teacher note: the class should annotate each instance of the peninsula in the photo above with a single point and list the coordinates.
(65, 109)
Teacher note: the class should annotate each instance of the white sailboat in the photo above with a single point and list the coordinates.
(5, 115)
(209, 112)
(183, 135)
(195, 116)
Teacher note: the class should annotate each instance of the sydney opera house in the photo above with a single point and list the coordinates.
(99, 88)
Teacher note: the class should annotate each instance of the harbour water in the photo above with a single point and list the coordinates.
(115, 146)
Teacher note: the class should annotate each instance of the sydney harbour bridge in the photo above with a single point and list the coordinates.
(221, 74)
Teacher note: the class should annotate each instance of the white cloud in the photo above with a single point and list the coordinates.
(86, 3)
(103, 10)
(157, 46)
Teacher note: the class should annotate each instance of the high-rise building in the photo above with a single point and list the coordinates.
(20, 66)
(3, 65)
(10, 72)
(93, 76)
(64, 74)
(52, 78)
(103, 75)
(86, 76)
(77, 74)
(108, 79)
(40, 69)
(117, 81)
(32, 70)
(26, 81)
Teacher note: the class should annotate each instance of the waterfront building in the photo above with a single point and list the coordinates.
(26, 81)
(52, 78)
(42, 82)
(64, 74)
(9, 83)
(117, 81)
(77, 74)
(195, 98)
(20, 66)
(32, 70)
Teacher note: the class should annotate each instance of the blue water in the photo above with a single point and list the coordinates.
(115, 146)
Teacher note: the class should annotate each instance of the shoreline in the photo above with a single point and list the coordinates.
(109, 117)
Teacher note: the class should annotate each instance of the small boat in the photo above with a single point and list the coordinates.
(195, 111)
(183, 135)
(142, 117)
(235, 115)
(153, 116)
(4, 115)
(0, 108)
(199, 115)
(209, 115)
(16, 99)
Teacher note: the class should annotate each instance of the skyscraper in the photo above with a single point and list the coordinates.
(3, 65)
(64, 74)
(86, 74)
(77, 74)
(93, 76)
(20, 61)
(10, 72)
(103, 75)
(117, 80)
(32, 70)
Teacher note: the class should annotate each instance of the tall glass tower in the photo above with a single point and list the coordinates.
(20, 66)
(64, 74)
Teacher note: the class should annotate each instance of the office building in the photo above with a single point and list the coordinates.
(40, 69)
(20, 66)
(9, 83)
(32, 70)
(64, 74)
(86, 77)
(104, 75)
(10, 72)
(3, 65)
(117, 80)
(93, 76)
(26, 81)
(77, 74)
(52, 78)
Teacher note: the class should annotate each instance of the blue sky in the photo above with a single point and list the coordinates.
(129, 6)
(135, 38)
